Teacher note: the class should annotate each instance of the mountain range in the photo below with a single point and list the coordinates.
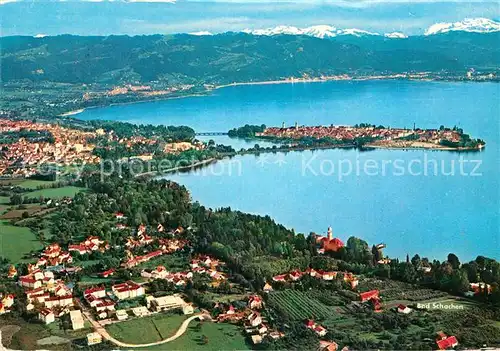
(474, 25)
(241, 57)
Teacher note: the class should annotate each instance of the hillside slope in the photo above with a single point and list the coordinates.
(237, 57)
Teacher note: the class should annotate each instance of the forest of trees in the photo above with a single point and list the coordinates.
(247, 131)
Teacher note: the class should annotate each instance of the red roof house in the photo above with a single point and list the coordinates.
(447, 343)
(366, 296)
(279, 278)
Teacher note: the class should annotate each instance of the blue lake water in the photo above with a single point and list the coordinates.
(411, 200)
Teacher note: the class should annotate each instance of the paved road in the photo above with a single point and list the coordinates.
(101, 330)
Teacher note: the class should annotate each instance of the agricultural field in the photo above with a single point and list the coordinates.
(4, 203)
(146, 330)
(11, 182)
(55, 193)
(391, 290)
(17, 212)
(207, 336)
(298, 305)
(15, 242)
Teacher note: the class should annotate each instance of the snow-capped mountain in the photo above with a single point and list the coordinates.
(320, 31)
(396, 35)
(476, 25)
(203, 32)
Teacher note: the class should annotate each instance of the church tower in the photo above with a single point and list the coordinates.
(330, 233)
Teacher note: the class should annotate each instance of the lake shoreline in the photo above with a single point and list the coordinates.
(208, 91)
(435, 148)
(72, 113)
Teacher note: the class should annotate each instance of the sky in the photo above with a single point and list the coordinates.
(138, 17)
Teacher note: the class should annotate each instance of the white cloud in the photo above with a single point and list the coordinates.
(3, 2)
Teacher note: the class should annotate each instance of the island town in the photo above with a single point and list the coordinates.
(378, 136)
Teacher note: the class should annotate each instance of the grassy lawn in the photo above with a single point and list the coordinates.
(16, 241)
(168, 325)
(55, 193)
(55, 329)
(33, 183)
(146, 330)
(4, 200)
(86, 280)
(173, 263)
(225, 298)
(221, 336)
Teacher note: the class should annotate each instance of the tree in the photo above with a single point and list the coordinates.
(416, 261)
(472, 271)
(459, 281)
(16, 199)
(357, 248)
(407, 272)
(453, 259)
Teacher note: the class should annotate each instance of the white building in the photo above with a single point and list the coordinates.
(187, 309)
(46, 316)
(121, 315)
(140, 311)
(76, 319)
(127, 290)
(94, 338)
(165, 302)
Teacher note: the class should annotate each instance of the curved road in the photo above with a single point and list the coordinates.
(104, 333)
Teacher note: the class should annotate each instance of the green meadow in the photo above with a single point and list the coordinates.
(15, 242)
